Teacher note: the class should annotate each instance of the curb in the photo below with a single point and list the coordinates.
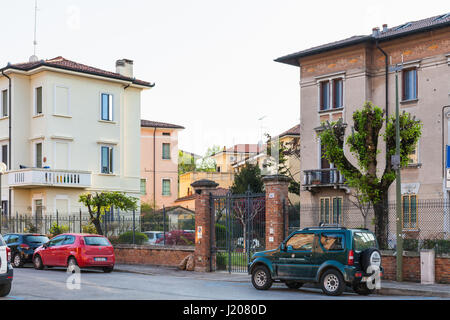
(382, 291)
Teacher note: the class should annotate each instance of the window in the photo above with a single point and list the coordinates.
(69, 240)
(107, 107)
(5, 154)
(57, 241)
(338, 93)
(325, 95)
(166, 134)
(38, 108)
(38, 155)
(4, 103)
(166, 151)
(363, 241)
(301, 241)
(332, 242)
(107, 160)
(12, 239)
(409, 84)
(143, 186)
(96, 241)
(413, 157)
(330, 210)
(409, 210)
(166, 187)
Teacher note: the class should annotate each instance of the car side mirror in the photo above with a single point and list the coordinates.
(289, 248)
(45, 245)
(283, 247)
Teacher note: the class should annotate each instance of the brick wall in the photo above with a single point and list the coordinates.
(411, 268)
(151, 255)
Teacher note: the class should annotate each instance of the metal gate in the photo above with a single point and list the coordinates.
(239, 230)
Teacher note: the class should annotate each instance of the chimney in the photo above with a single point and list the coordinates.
(385, 27)
(125, 67)
(375, 31)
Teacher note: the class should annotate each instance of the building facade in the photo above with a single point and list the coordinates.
(65, 129)
(159, 163)
(337, 78)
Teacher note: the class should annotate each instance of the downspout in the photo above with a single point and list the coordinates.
(154, 168)
(386, 65)
(9, 137)
(444, 184)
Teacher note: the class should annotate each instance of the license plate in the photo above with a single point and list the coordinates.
(99, 259)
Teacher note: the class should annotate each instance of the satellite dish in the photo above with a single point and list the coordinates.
(3, 167)
(34, 58)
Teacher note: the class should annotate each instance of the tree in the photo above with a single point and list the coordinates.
(248, 177)
(207, 163)
(286, 150)
(363, 144)
(99, 203)
(186, 162)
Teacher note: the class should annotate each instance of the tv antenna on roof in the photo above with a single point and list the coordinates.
(34, 58)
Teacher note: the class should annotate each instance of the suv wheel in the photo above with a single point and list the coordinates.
(332, 282)
(293, 284)
(37, 262)
(371, 256)
(17, 261)
(5, 289)
(261, 278)
(362, 289)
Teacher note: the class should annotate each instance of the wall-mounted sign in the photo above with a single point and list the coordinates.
(271, 195)
(198, 234)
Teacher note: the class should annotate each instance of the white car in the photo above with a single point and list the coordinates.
(6, 270)
(153, 236)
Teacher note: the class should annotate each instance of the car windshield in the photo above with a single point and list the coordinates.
(96, 241)
(364, 240)
(159, 235)
(36, 239)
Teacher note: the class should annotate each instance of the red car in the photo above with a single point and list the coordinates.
(84, 250)
(178, 237)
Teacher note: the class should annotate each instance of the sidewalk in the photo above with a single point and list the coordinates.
(387, 287)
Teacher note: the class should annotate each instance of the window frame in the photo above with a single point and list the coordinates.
(297, 234)
(405, 79)
(36, 113)
(331, 211)
(4, 106)
(143, 191)
(410, 227)
(162, 151)
(41, 143)
(162, 186)
(331, 80)
(110, 159)
(3, 153)
(332, 234)
(110, 106)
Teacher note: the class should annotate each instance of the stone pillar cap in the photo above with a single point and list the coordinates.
(276, 178)
(204, 183)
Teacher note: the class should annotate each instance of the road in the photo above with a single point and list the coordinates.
(50, 284)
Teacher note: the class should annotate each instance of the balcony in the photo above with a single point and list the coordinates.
(37, 177)
(314, 179)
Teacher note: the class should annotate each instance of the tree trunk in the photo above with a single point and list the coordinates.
(97, 225)
(381, 211)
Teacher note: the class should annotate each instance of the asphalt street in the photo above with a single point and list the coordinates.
(51, 284)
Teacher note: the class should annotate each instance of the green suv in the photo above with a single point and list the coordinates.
(333, 256)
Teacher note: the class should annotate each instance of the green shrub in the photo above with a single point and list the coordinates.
(30, 228)
(57, 229)
(439, 245)
(221, 260)
(89, 228)
(127, 238)
(410, 244)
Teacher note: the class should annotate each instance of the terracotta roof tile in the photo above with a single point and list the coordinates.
(62, 63)
(155, 124)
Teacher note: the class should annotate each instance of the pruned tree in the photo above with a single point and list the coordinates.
(100, 203)
(358, 200)
(363, 144)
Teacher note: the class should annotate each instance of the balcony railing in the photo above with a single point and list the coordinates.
(30, 177)
(323, 177)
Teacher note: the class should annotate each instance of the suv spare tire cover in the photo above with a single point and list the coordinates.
(369, 257)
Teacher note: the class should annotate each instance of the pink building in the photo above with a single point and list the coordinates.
(159, 163)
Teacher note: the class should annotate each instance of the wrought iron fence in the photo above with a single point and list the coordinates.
(425, 223)
(119, 227)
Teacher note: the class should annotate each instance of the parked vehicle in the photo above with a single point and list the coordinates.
(84, 250)
(333, 256)
(153, 236)
(22, 246)
(178, 237)
(6, 270)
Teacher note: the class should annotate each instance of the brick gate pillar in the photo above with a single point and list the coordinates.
(276, 191)
(203, 230)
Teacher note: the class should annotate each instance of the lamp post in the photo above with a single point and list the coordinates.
(396, 165)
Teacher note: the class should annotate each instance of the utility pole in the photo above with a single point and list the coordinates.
(396, 165)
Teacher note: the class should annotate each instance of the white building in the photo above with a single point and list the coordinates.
(66, 129)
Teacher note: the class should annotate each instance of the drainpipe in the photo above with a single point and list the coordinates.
(444, 184)
(154, 168)
(9, 137)
(386, 66)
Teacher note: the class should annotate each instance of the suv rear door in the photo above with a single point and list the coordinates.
(329, 245)
(296, 261)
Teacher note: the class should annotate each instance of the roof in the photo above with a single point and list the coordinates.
(246, 148)
(65, 64)
(172, 208)
(402, 30)
(155, 124)
(294, 131)
(217, 192)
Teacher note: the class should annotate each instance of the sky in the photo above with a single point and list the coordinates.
(211, 60)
